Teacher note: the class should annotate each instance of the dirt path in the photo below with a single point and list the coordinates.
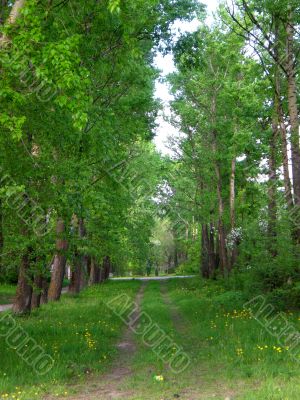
(180, 323)
(110, 386)
(5, 307)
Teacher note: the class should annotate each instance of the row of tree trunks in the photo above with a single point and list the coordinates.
(32, 289)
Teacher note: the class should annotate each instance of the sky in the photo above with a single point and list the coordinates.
(166, 65)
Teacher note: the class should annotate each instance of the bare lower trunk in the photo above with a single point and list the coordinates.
(293, 113)
(94, 273)
(37, 291)
(272, 189)
(59, 263)
(232, 193)
(75, 283)
(1, 238)
(106, 267)
(284, 142)
(222, 236)
(79, 276)
(204, 252)
(44, 294)
(234, 250)
(22, 302)
(211, 252)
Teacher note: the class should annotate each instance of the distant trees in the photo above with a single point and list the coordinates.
(236, 104)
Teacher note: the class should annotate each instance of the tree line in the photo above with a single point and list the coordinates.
(236, 167)
(77, 117)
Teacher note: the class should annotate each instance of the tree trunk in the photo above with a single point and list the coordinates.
(211, 252)
(285, 157)
(222, 236)
(234, 250)
(232, 193)
(44, 294)
(22, 302)
(94, 272)
(1, 240)
(280, 119)
(37, 291)
(272, 189)
(225, 267)
(204, 252)
(12, 18)
(59, 263)
(106, 267)
(79, 275)
(75, 283)
(293, 113)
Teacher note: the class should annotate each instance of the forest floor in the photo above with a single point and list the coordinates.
(97, 356)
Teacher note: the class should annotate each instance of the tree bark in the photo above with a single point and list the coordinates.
(225, 267)
(12, 18)
(1, 239)
(234, 250)
(204, 252)
(280, 121)
(222, 236)
(211, 252)
(37, 291)
(44, 294)
(272, 189)
(293, 114)
(75, 283)
(22, 302)
(94, 272)
(79, 274)
(106, 267)
(59, 263)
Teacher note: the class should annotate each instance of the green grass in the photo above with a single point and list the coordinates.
(78, 332)
(222, 341)
(7, 293)
(227, 339)
(232, 355)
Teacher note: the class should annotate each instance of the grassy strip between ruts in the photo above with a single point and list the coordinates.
(232, 355)
(79, 332)
(7, 293)
(197, 381)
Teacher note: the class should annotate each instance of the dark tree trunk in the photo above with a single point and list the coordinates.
(106, 267)
(1, 239)
(294, 116)
(59, 263)
(44, 294)
(37, 291)
(272, 189)
(22, 302)
(175, 258)
(94, 272)
(205, 252)
(79, 276)
(75, 282)
(211, 252)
